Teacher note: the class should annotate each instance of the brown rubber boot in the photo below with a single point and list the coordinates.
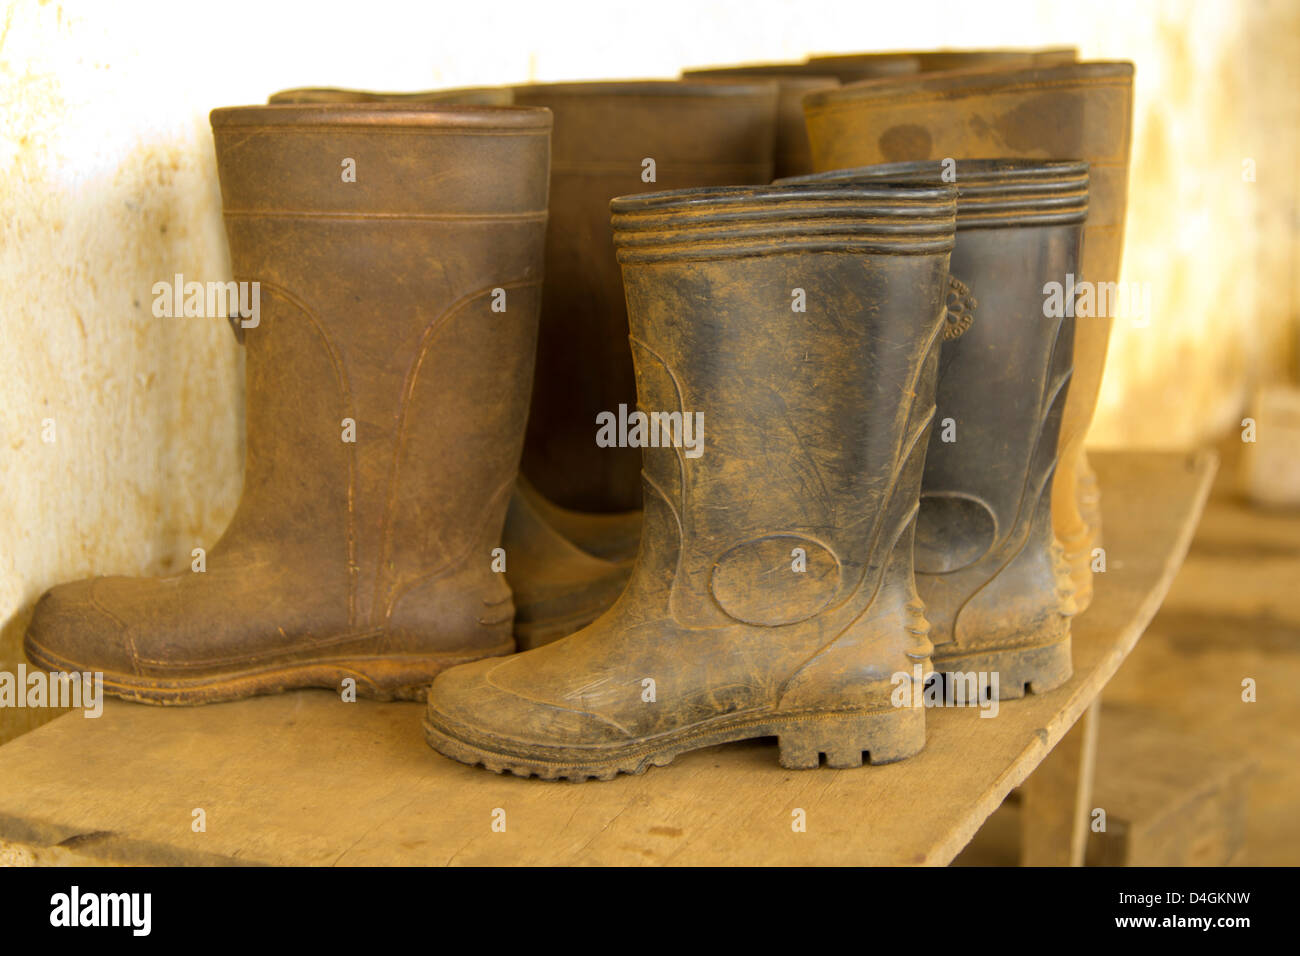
(557, 589)
(1075, 111)
(385, 404)
(797, 328)
(461, 96)
(609, 138)
(613, 536)
(792, 156)
(994, 581)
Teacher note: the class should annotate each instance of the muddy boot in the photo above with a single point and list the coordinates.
(557, 589)
(610, 139)
(796, 329)
(994, 581)
(1074, 111)
(385, 412)
(791, 156)
(461, 96)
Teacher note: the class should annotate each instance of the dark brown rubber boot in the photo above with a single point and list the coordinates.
(994, 581)
(1074, 111)
(461, 96)
(609, 139)
(385, 411)
(797, 328)
(792, 156)
(557, 589)
(612, 536)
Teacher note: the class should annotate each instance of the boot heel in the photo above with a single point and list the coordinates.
(851, 739)
(1020, 670)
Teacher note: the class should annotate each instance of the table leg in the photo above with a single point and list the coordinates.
(1056, 803)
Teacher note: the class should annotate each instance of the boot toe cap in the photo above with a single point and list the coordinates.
(71, 629)
(469, 704)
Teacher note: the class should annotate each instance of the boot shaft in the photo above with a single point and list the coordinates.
(792, 155)
(386, 395)
(695, 134)
(1078, 111)
(1004, 370)
(1003, 382)
(787, 322)
(985, 558)
(1075, 111)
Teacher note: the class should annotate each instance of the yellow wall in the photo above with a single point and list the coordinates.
(107, 185)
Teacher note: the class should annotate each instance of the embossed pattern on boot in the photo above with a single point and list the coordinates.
(791, 155)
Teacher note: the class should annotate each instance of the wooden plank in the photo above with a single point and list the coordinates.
(1170, 799)
(305, 778)
(1057, 798)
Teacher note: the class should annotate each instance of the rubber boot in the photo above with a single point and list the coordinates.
(611, 536)
(773, 591)
(557, 588)
(1076, 111)
(791, 154)
(995, 584)
(461, 96)
(385, 412)
(614, 138)
(849, 67)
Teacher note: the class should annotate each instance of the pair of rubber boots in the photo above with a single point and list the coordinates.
(573, 524)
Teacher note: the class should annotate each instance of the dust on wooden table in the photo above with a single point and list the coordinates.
(308, 779)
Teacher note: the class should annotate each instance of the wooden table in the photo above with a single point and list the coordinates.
(305, 778)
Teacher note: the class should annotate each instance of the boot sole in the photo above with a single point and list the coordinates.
(377, 678)
(844, 739)
(1020, 670)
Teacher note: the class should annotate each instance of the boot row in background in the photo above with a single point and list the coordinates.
(889, 475)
